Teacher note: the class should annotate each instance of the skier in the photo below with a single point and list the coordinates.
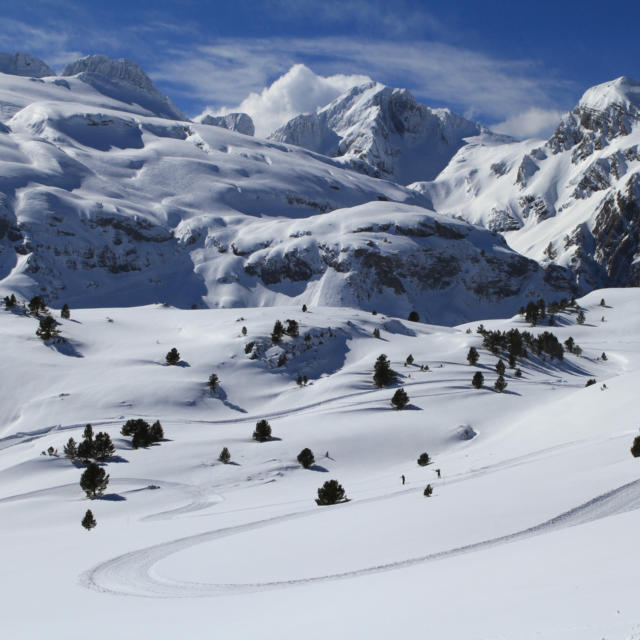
(438, 472)
(403, 479)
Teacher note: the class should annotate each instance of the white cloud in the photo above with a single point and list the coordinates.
(532, 123)
(298, 91)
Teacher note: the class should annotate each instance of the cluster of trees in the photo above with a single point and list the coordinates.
(572, 347)
(142, 434)
(536, 310)
(516, 343)
(499, 385)
(292, 330)
(98, 447)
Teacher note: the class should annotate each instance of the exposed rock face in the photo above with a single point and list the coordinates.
(582, 184)
(383, 132)
(22, 64)
(240, 122)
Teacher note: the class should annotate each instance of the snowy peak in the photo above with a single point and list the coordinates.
(383, 132)
(123, 80)
(240, 122)
(22, 64)
(623, 92)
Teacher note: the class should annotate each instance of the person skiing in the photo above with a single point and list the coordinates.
(438, 472)
(403, 479)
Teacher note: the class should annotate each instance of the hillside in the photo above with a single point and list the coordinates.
(533, 479)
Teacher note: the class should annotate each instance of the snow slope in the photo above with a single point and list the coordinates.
(573, 200)
(531, 531)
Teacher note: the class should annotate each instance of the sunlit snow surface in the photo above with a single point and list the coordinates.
(531, 532)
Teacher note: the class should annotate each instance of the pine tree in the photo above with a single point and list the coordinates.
(292, 328)
(428, 490)
(500, 384)
(156, 433)
(306, 458)
(173, 357)
(518, 373)
(424, 459)
(47, 328)
(635, 447)
(65, 313)
(224, 456)
(70, 449)
(603, 356)
(37, 306)
(602, 303)
(262, 432)
(278, 332)
(94, 480)
(383, 374)
(213, 382)
(400, 399)
(244, 331)
(103, 448)
(304, 308)
(531, 313)
(408, 361)
(473, 356)
(477, 380)
(512, 360)
(331, 492)
(569, 344)
(500, 368)
(414, 317)
(376, 333)
(89, 522)
(580, 318)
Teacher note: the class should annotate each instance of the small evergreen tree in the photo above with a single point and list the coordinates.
(603, 356)
(428, 490)
(94, 480)
(589, 382)
(424, 459)
(602, 303)
(299, 380)
(262, 432)
(635, 447)
(65, 313)
(473, 356)
(408, 361)
(400, 399)
(500, 384)
(304, 308)
(277, 333)
(10, 301)
(306, 458)
(71, 449)
(531, 313)
(580, 318)
(331, 492)
(292, 329)
(500, 368)
(47, 328)
(376, 333)
(85, 450)
(244, 331)
(414, 317)
(383, 374)
(518, 373)
(89, 522)
(569, 344)
(512, 360)
(478, 380)
(103, 448)
(224, 456)
(213, 382)
(173, 357)
(156, 433)
(37, 306)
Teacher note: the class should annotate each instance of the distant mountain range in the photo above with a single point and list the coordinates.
(110, 196)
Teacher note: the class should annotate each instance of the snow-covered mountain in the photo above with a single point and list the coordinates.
(22, 64)
(103, 202)
(240, 122)
(573, 200)
(383, 132)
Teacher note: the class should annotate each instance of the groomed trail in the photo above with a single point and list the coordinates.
(132, 574)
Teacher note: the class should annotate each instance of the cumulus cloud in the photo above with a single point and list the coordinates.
(298, 91)
(532, 123)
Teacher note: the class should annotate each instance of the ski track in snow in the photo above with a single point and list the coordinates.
(132, 573)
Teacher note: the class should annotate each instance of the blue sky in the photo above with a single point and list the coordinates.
(513, 65)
